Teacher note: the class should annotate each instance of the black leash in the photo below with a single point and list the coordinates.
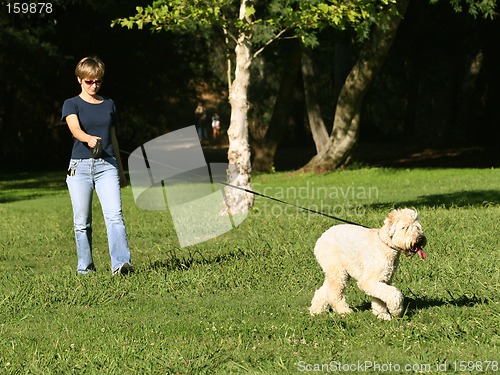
(276, 199)
(293, 205)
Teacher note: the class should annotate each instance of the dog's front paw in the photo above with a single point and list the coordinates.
(382, 315)
(344, 310)
(395, 305)
(318, 309)
(398, 312)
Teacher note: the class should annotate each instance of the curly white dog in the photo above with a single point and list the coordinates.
(371, 257)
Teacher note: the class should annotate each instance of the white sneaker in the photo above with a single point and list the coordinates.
(123, 269)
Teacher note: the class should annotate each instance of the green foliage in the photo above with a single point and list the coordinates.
(264, 21)
(239, 303)
(476, 8)
(178, 15)
(359, 15)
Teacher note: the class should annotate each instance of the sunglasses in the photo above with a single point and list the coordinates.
(91, 82)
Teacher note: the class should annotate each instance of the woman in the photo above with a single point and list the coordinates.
(95, 164)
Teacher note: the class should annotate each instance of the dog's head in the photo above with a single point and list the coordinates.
(405, 233)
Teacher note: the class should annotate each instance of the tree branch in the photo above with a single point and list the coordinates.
(277, 36)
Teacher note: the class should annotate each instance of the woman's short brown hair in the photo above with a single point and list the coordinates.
(90, 67)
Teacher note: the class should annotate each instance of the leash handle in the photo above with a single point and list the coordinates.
(293, 205)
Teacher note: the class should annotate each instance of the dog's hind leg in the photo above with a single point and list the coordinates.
(337, 282)
(331, 293)
(388, 295)
(319, 303)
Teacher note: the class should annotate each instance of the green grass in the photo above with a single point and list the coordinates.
(239, 303)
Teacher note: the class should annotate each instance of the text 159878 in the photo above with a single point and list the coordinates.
(32, 8)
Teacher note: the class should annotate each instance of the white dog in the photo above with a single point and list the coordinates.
(371, 257)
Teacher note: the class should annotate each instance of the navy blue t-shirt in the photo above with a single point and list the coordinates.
(96, 120)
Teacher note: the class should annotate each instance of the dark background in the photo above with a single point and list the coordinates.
(436, 101)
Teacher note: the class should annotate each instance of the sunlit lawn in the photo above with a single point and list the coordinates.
(238, 303)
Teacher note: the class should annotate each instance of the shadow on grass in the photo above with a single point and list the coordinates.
(415, 303)
(473, 198)
(15, 197)
(176, 262)
(30, 185)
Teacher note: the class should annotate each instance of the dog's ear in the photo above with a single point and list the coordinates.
(390, 223)
(411, 213)
(415, 213)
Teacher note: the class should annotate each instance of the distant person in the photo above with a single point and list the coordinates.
(201, 115)
(215, 127)
(95, 164)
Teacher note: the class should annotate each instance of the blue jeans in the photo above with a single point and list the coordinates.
(85, 175)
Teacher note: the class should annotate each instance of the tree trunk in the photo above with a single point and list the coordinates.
(239, 201)
(345, 130)
(265, 149)
(316, 123)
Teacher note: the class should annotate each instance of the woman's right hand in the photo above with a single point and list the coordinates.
(92, 141)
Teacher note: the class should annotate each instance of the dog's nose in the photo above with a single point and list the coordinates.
(421, 241)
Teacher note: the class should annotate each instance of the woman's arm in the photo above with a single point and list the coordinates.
(78, 133)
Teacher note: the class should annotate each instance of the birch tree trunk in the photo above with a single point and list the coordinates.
(239, 201)
(345, 130)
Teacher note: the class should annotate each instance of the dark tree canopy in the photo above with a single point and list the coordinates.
(439, 86)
